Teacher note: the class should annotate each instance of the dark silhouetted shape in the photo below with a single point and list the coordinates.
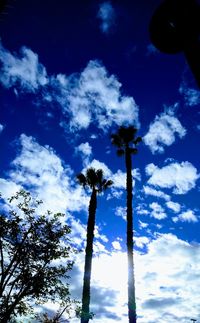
(175, 27)
(125, 140)
(95, 181)
(30, 245)
(2, 5)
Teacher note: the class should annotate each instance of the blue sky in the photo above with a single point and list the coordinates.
(71, 73)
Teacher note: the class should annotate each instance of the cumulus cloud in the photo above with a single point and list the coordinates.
(96, 97)
(90, 97)
(162, 132)
(151, 191)
(24, 70)
(116, 245)
(140, 242)
(180, 177)
(39, 169)
(175, 207)
(187, 216)
(157, 211)
(107, 16)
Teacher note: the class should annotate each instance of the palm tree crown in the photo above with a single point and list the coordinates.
(94, 180)
(123, 138)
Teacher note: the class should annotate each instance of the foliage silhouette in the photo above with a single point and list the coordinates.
(95, 181)
(175, 27)
(125, 140)
(32, 247)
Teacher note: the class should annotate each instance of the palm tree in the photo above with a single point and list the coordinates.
(95, 181)
(125, 140)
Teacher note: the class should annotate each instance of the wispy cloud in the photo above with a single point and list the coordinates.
(190, 95)
(180, 177)
(1, 127)
(121, 212)
(85, 151)
(151, 50)
(107, 16)
(162, 132)
(151, 191)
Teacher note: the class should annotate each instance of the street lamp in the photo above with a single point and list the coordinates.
(175, 27)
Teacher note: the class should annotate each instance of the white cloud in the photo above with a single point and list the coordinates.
(96, 96)
(143, 224)
(187, 216)
(121, 211)
(8, 188)
(157, 211)
(116, 245)
(176, 207)
(191, 96)
(141, 209)
(140, 242)
(85, 150)
(90, 97)
(39, 169)
(151, 191)
(180, 177)
(1, 127)
(162, 132)
(166, 282)
(24, 70)
(119, 179)
(107, 15)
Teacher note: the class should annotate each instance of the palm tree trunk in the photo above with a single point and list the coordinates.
(85, 313)
(131, 280)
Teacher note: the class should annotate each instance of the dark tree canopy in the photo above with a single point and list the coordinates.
(34, 258)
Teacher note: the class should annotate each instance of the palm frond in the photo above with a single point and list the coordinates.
(120, 152)
(91, 177)
(116, 140)
(108, 183)
(81, 179)
(137, 140)
(133, 151)
(99, 174)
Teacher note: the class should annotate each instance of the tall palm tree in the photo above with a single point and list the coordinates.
(94, 180)
(125, 140)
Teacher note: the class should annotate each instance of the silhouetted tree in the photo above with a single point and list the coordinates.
(125, 140)
(95, 181)
(34, 258)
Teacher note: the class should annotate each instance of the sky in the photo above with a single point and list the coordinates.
(71, 73)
